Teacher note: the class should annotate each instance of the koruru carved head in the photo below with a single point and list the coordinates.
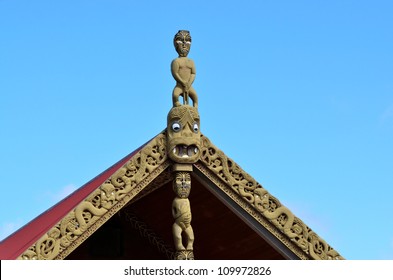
(183, 134)
(182, 42)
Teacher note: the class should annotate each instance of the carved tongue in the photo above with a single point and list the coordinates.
(185, 151)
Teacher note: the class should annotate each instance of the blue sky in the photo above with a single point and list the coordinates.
(298, 93)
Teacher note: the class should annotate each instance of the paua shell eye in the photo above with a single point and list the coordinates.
(195, 127)
(176, 127)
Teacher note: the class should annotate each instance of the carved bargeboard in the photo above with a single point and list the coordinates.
(308, 245)
(102, 204)
(148, 164)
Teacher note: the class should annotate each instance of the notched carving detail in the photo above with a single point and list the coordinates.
(108, 198)
(266, 204)
(184, 255)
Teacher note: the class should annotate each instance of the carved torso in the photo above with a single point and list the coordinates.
(182, 212)
(186, 66)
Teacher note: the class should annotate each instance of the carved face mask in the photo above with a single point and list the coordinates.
(183, 134)
(182, 42)
(182, 184)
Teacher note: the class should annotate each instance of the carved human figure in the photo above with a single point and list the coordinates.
(181, 212)
(183, 70)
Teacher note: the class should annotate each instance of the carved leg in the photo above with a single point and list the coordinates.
(190, 238)
(193, 95)
(177, 91)
(177, 238)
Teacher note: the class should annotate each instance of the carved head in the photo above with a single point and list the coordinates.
(184, 255)
(183, 134)
(107, 195)
(182, 42)
(182, 184)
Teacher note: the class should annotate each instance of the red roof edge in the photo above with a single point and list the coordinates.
(18, 242)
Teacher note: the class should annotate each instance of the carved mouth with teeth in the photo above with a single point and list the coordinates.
(184, 151)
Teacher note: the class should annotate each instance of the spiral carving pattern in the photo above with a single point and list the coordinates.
(147, 165)
(102, 204)
(266, 204)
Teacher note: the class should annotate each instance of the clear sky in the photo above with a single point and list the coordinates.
(298, 93)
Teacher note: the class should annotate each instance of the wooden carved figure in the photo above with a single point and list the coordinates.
(181, 212)
(183, 70)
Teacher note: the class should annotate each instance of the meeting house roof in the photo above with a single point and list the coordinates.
(176, 197)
